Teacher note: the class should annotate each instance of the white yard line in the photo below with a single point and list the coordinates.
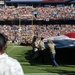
(10, 49)
(13, 48)
(16, 46)
(42, 74)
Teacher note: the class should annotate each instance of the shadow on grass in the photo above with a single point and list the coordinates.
(28, 57)
(60, 72)
(72, 66)
(63, 57)
(30, 54)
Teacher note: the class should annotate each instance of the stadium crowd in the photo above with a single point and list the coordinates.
(22, 33)
(25, 33)
(37, 13)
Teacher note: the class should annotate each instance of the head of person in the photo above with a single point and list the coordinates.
(3, 43)
(49, 41)
(42, 38)
(34, 38)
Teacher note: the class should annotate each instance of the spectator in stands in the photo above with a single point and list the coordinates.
(51, 46)
(50, 12)
(8, 65)
(27, 32)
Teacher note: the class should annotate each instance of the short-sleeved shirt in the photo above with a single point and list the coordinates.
(9, 66)
(52, 47)
(42, 46)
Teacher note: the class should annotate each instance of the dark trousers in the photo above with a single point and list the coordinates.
(54, 63)
(40, 56)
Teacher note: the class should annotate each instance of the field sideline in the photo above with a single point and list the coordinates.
(21, 54)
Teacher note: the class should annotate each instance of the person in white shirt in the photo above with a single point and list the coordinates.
(41, 50)
(8, 65)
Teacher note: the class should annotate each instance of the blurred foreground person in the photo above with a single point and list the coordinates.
(8, 65)
(51, 46)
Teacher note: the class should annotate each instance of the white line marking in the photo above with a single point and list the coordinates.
(13, 48)
(42, 74)
(10, 49)
(16, 46)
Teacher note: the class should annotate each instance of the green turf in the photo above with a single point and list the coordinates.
(21, 54)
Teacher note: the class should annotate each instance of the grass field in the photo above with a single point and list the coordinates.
(21, 54)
